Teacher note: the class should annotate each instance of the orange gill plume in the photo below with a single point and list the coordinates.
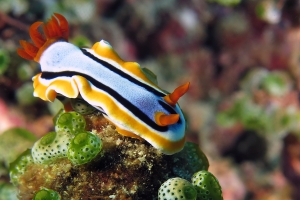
(56, 28)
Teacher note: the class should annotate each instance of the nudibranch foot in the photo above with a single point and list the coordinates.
(128, 133)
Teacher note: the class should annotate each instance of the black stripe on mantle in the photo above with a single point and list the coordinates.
(137, 112)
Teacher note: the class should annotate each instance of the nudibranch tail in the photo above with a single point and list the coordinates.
(173, 98)
(55, 29)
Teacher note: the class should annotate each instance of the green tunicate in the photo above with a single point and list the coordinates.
(48, 139)
(82, 106)
(69, 122)
(19, 166)
(177, 188)
(46, 194)
(189, 160)
(207, 186)
(81, 139)
(84, 147)
(51, 147)
(57, 115)
(189, 192)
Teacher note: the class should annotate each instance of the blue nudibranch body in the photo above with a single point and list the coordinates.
(119, 89)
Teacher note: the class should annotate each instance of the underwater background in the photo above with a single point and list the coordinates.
(241, 58)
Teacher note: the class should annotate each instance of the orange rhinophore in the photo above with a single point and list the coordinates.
(173, 98)
(55, 29)
(165, 120)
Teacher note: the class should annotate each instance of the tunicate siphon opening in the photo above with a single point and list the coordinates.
(189, 192)
(48, 139)
(65, 118)
(80, 138)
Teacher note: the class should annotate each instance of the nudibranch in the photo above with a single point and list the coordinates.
(126, 96)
